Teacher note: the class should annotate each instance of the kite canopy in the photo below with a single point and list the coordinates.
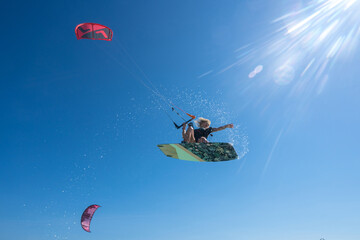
(93, 31)
(87, 216)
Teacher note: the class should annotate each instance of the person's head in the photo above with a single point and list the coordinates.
(203, 122)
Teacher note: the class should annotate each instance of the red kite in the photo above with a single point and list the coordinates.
(93, 31)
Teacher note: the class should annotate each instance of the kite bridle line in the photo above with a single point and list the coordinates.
(186, 122)
(177, 126)
(151, 87)
(171, 119)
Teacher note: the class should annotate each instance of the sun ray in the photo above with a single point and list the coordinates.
(309, 42)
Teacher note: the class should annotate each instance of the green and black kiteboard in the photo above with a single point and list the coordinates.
(200, 152)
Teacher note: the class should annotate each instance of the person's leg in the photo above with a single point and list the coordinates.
(189, 135)
(203, 140)
(184, 132)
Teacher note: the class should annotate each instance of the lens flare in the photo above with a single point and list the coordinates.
(308, 43)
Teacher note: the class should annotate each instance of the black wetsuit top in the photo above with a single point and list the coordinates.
(201, 132)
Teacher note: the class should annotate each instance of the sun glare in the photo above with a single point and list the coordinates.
(309, 42)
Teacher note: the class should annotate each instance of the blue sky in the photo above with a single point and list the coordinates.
(78, 127)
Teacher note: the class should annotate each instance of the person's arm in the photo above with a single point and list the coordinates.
(223, 127)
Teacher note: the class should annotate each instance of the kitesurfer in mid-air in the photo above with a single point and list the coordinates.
(200, 135)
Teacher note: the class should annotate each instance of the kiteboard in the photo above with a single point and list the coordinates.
(200, 152)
